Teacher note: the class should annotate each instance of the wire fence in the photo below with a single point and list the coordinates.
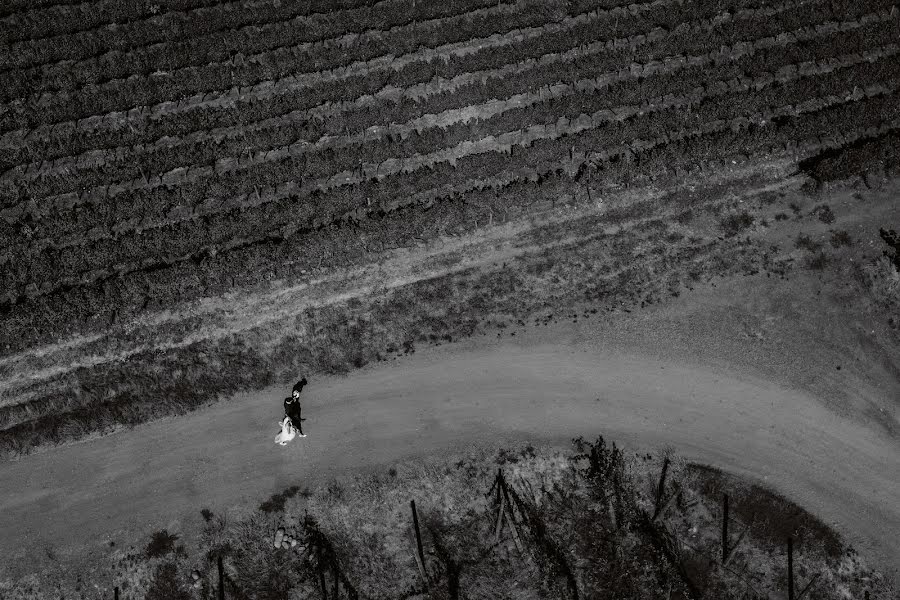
(512, 514)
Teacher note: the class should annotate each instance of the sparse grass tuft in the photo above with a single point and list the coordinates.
(818, 261)
(804, 241)
(735, 223)
(162, 543)
(825, 214)
(840, 238)
(166, 584)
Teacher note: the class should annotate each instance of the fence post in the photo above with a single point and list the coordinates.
(724, 528)
(334, 569)
(661, 487)
(116, 593)
(790, 569)
(321, 572)
(221, 580)
(412, 504)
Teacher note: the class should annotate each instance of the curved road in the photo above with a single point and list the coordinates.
(125, 485)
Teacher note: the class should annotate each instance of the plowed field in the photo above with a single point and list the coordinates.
(158, 156)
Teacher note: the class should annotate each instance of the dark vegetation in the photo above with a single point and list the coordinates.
(890, 237)
(604, 523)
(161, 544)
(81, 257)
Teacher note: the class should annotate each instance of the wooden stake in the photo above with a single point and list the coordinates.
(724, 528)
(790, 569)
(660, 488)
(412, 504)
(809, 585)
(335, 571)
(321, 573)
(116, 593)
(500, 518)
(221, 580)
(733, 550)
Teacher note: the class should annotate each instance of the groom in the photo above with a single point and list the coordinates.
(292, 407)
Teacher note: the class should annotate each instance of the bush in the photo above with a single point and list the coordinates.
(825, 214)
(818, 262)
(840, 238)
(734, 224)
(891, 238)
(165, 584)
(162, 543)
(804, 241)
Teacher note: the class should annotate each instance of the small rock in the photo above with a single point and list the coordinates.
(195, 575)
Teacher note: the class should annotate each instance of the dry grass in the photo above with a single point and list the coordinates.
(584, 521)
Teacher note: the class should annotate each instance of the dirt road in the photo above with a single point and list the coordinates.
(121, 487)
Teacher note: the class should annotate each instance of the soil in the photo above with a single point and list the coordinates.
(645, 379)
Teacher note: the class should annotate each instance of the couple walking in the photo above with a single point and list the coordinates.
(292, 423)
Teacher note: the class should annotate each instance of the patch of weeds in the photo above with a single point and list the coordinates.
(685, 217)
(736, 223)
(674, 236)
(165, 584)
(409, 347)
(277, 501)
(825, 214)
(392, 471)
(804, 241)
(207, 514)
(793, 206)
(891, 238)
(781, 217)
(162, 543)
(840, 238)
(818, 261)
(505, 457)
(335, 491)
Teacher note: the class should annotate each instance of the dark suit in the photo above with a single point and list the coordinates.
(292, 410)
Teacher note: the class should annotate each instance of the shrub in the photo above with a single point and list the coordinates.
(735, 223)
(891, 238)
(818, 262)
(840, 238)
(804, 241)
(165, 584)
(825, 214)
(207, 514)
(161, 543)
(781, 217)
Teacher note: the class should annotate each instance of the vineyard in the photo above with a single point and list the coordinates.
(156, 156)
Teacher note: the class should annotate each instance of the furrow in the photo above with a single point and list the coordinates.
(208, 140)
(533, 136)
(250, 42)
(180, 118)
(655, 68)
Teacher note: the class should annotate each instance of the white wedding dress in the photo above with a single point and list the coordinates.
(287, 432)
